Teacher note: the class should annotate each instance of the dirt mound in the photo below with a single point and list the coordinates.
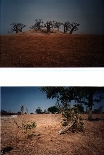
(39, 32)
(34, 49)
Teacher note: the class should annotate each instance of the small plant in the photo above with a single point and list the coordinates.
(26, 127)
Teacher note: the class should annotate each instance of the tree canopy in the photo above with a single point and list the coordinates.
(84, 95)
(53, 109)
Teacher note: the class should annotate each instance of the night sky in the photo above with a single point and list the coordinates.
(88, 13)
(12, 98)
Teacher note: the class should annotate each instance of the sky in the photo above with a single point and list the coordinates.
(12, 98)
(88, 13)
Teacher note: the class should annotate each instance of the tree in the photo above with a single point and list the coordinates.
(63, 95)
(74, 27)
(53, 109)
(39, 111)
(67, 26)
(83, 95)
(22, 109)
(57, 25)
(49, 25)
(87, 96)
(17, 27)
(72, 119)
(38, 25)
(79, 107)
(70, 27)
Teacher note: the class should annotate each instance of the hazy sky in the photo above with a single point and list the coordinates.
(88, 13)
(12, 98)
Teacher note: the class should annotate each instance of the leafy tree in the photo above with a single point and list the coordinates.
(17, 27)
(64, 95)
(84, 95)
(79, 107)
(39, 111)
(38, 24)
(53, 109)
(88, 95)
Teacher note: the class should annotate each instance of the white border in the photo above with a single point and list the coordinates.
(52, 77)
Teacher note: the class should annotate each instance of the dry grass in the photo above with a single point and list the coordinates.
(54, 50)
(45, 140)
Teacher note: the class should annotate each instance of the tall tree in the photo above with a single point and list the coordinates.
(17, 27)
(84, 95)
(88, 96)
(63, 95)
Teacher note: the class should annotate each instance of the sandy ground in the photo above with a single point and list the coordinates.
(54, 50)
(45, 140)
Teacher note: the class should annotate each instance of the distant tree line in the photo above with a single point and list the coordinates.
(40, 25)
(53, 109)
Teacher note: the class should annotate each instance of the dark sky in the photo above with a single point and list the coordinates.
(88, 13)
(12, 98)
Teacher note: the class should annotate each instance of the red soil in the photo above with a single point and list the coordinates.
(54, 50)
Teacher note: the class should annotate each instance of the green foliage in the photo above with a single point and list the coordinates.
(80, 107)
(72, 115)
(82, 95)
(53, 109)
(26, 126)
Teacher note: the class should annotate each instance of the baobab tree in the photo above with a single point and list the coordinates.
(49, 25)
(67, 26)
(74, 27)
(57, 25)
(38, 25)
(17, 27)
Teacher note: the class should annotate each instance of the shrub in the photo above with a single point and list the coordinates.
(73, 115)
(26, 126)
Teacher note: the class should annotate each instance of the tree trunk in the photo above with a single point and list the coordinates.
(90, 115)
(72, 30)
(90, 106)
(64, 29)
(66, 128)
(48, 28)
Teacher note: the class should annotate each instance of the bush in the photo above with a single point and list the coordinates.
(73, 115)
(26, 126)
